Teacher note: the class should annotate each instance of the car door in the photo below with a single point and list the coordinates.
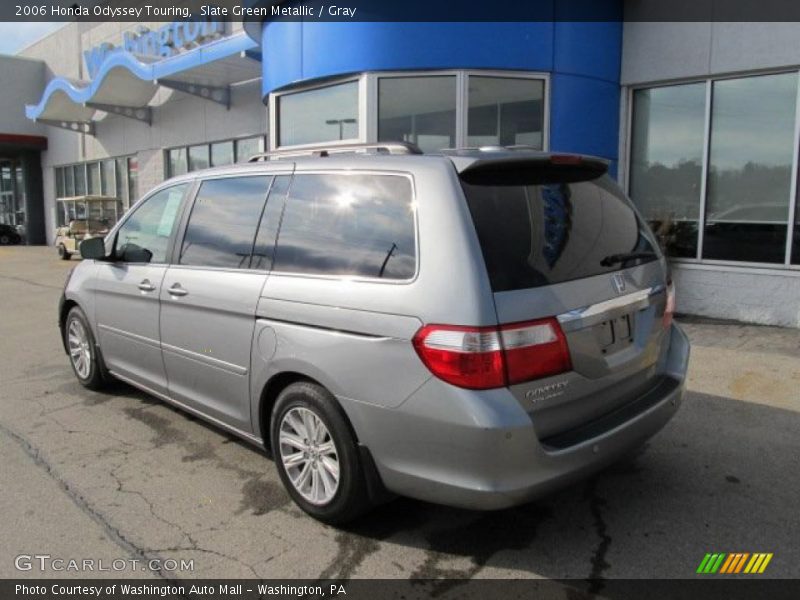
(127, 293)
(209, 297)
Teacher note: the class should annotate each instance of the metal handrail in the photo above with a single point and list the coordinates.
(381, 147)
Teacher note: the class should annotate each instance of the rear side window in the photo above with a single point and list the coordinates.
(357, 225)
(534, 235)
(222, 227)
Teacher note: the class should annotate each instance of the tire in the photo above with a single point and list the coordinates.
(331, 504)
(81, 348)
(62, 253)
(5, 240)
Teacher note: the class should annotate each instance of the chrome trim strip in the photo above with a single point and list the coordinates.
(214, 421)
(201, 358)
(595, 313)
(132, 336)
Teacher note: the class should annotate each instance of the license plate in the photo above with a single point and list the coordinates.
(616, 333)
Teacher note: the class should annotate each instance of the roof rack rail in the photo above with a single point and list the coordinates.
(490, 148)
(381, 148)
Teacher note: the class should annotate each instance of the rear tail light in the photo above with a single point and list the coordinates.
(669, 309)
(491, 357)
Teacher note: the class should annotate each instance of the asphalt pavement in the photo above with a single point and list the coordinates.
(120, 476)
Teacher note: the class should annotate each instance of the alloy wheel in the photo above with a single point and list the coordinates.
(80, 352)
(309, 455)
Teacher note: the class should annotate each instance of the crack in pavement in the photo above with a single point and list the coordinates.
(598, 559)
(113, 532)
(33, 283)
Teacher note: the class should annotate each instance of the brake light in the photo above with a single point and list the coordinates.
(566, 159)
(669, 309)
(491, 357)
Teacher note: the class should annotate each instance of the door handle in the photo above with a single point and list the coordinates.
(177, 290)
(146, 286)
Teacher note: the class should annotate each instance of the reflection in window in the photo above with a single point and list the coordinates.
(144, 236)
(749, 180)
(420, 110)
(505, 111)
(268, 228)
(320, 115)
(360, 225)
(666, 163)
(222, 227)
(545, 234)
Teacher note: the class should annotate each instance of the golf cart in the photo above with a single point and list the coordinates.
(83, 217)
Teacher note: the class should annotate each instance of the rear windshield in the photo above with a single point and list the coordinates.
(534, 235)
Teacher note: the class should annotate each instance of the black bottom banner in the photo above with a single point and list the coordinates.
(396, 589)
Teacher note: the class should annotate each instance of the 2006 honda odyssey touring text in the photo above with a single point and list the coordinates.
(473, 328)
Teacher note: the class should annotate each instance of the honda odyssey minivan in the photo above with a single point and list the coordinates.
(474, 328)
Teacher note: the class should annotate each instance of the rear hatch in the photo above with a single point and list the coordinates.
(562, 242)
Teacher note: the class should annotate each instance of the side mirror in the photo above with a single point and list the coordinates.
(93, 248)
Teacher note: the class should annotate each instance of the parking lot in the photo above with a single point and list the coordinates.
(120, 475)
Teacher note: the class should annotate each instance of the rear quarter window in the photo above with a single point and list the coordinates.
(349, 225)
(535, 235)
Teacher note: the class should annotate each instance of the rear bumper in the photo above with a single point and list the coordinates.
(479, 450)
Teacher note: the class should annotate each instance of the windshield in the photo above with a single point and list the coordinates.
(534, 235)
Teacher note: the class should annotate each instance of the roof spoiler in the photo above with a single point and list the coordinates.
(514, 169)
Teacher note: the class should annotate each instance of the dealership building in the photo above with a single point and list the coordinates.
(699, 121)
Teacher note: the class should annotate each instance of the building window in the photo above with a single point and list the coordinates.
(433, 109)
(179, 161)
(93, 178)
(221, 154)
(112, 177)
(69, 182)
(505, 111)
(667, 162)
(133, 180)
(176, 162)
(107, 178)
(420, 110)
(79, 174)
(122, 182)
(750, 169)
(324, 114)
(247, 147)
(198, 157)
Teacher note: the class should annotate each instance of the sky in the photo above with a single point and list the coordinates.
(15, 36)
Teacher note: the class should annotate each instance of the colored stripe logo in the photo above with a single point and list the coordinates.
(733, 563)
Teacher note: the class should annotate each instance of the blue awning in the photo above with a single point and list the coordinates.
(125, 83)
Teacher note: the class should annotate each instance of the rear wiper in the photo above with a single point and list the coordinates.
(613, 259)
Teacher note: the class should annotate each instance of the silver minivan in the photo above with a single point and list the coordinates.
(475, 327)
